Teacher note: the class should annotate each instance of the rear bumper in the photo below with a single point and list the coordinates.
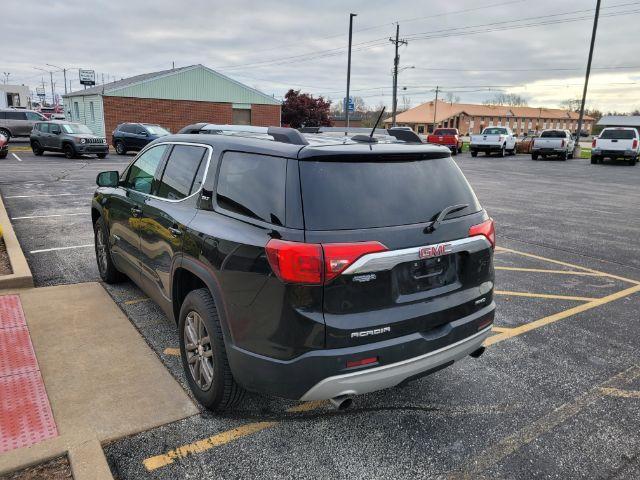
(485, 148)
(549, 151)
(614, 153)
(322, 374)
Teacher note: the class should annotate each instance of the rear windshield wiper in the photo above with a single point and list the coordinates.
(444, 214)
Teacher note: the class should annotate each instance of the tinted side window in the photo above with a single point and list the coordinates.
(182, 166)
(3, 115)
(127, 128)
(43, 127)
(33, 116)
(253, 185)
(141, 173)
(16, 115)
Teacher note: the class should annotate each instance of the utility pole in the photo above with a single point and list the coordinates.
(346, 102)
(576, 148)
(396, 61)
(435, 108)
(64, 73)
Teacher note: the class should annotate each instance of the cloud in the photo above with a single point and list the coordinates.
(500, 45)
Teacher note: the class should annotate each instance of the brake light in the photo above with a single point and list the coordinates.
(486, 229)
(593, 144)
(635, 143)
(562, 143)
(314, 263)
(500, 138)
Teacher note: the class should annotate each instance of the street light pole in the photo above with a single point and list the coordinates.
(576, 148)
(346, 102)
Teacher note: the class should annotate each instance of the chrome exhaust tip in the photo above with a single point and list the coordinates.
(477, 353)
(342, 402)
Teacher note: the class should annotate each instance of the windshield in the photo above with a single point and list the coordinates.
(445, 131)
(618, 134)
(348, 195)
(156, 130)
(553, 134)
(494, 131)
(76, 128)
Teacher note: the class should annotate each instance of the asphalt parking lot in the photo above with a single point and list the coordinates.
(556, 395)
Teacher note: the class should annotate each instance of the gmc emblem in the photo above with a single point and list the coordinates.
(434, 250)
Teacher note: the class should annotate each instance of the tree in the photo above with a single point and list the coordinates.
(451, 98)
(507, 99)
(571, 104)
(406, 104)
(303, 110)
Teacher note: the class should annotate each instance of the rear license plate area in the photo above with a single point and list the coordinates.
(427, 274)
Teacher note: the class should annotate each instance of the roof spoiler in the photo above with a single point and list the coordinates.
(190, 129)
(405, 134)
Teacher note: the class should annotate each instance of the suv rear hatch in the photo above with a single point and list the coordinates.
(390, 272)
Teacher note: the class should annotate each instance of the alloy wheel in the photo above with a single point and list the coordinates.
(198, 350)
(101, 248)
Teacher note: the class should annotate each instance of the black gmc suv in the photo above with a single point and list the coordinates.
(307, 266)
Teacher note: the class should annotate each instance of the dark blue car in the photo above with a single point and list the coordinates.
(135, 136)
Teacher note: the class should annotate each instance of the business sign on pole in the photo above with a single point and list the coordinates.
(87, 77)
(350, 105)
(40, 91)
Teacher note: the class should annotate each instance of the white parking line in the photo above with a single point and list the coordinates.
(61, 248)
(17, 157)
(48, 216)
(46, 195)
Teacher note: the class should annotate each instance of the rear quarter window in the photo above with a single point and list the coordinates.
(342, 195)
(253, 186)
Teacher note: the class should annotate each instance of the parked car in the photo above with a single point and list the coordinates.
(135, 136)
(16, 122)
(284, 268)
(553, 143)
(493, 139)
(72, 139)
(49, 112)
(4, 146)
(449, 137)
(615, 143)
(524, 144)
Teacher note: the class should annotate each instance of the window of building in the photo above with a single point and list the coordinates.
(180, 172)
(93, 115)
(241, 116)
(420, 128)
(141, 173)
(267, 176)
(76, 110)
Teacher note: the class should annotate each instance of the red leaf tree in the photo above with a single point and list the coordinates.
(303, 110)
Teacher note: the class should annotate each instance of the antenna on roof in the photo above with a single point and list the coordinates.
(377, 122)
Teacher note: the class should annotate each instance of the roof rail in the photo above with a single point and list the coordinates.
(404, 134)
(279, 134)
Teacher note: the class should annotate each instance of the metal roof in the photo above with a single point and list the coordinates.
(620, 120)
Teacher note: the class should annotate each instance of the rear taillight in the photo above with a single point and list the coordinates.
(562, 143)
(362, 362)
(500, 138)
(635, 143)
(593, 144)
(486, 229)
(314, 263)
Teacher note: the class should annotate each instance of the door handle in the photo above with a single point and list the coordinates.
(176, 232)
(136, 212)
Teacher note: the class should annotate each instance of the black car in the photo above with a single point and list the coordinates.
(135, 136)
(303, 266)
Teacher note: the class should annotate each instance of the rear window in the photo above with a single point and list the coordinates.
(494, 131)
(353, 195)
(618, 134)
(445, 131)
(553, 134)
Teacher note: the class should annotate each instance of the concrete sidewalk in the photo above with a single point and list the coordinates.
(102, 380)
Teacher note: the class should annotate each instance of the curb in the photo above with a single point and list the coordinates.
(21, 276)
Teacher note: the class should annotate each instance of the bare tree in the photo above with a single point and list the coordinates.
(572, 104)
(451, 98)
(508, 99)
(406, 103)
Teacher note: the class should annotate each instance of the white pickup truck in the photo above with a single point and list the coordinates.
(614, 143)
(493, 139)
(553, 143)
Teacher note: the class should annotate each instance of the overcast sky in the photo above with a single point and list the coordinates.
(473, 49)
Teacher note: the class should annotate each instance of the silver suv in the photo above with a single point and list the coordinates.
(16, 122)
(72, 139)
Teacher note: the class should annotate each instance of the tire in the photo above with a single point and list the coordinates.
(534, 156)
(219, 392)
(36, 148)
(594, 160)
(120, 148)
(571, 155)
(101, 155)
(632, 162)
(108, 271)
(454, 152)
(503, 151)
(474, 153)
(565, 156)
(69, 151)
(6, 133)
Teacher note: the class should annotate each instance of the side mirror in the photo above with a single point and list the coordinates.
(143, 133)
(107, 179)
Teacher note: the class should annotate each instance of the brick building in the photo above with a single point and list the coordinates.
(470, 118)
(171, 98)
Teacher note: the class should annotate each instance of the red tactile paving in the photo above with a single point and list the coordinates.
(16, 352)
(11, 314)
(25, 413)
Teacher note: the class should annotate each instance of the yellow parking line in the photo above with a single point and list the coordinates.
(172, 351)
(136, 300)
(159, 461)
(544, 270)
(527, 327)
(500, 329)
(571, 265)
(616, 392)
(544, 295)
